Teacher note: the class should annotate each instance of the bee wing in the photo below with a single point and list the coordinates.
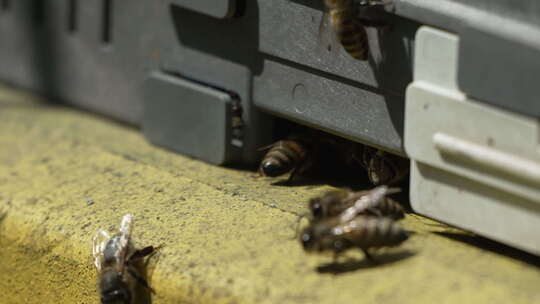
(126, 226)
(393, 190)
(380, 192)
(357, 226)
(349, 214)
(372, 198)
(98, 245)
(361, 201)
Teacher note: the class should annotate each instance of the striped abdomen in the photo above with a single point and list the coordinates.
(350, 34)
(283, 156)
(390, 208)
(366, 232)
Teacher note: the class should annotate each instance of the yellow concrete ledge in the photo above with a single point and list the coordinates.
(226, 233)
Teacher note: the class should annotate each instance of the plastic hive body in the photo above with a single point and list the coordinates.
(132, 61)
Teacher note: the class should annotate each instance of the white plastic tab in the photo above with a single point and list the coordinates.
(474, 165)
(490, 159)
(439, 49)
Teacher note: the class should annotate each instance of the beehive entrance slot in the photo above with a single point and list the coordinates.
(72, 11)
(106, 33)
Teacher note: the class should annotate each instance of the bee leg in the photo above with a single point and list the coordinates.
(260, 172)
(369, 257)
(300, 169)
(140, 279)
(148, 251)
(291, 177)
(335, 257)
(141, 253)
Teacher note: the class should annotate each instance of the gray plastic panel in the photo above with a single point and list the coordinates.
(473, 165)
(499, 49)
(500, 71)
(227, 58)
(453, 14)
(76, 65)
(214, 8)
(291, 30)
(341, 108)
(101, 63)
(188, 118)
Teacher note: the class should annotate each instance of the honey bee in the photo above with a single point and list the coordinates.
(383, 167)
(348, 28)
(347, 204)
(352, 36)
(362, 232)
(292, 154)
(119, 264)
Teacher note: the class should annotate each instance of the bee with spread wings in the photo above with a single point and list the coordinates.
(362, 232)
(372, 202)
(118, 264)
(345, 205)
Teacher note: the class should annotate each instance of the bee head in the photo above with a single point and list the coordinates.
(113, 290)
(273, 167)
(308, 239)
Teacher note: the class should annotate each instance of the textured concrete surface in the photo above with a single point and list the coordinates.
(227, 234)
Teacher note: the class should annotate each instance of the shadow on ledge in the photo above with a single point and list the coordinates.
(493, 246)
(353, 265)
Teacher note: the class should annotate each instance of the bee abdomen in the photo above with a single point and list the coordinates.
(356, 44)
(352, 36)
(282, 157)
(391, 208)
(378, 232)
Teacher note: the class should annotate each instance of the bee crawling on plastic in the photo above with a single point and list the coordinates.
(119, 264)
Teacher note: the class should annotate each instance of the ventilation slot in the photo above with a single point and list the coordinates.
(72, 15)
(106, 32)
(4, 5)
(38, 12)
